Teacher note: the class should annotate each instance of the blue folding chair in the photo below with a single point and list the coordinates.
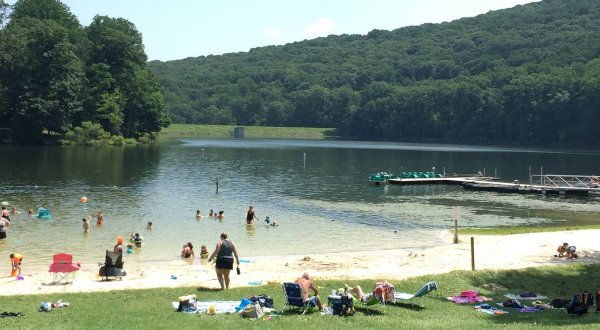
(293, 297)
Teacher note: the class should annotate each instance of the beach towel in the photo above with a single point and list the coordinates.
(519, 297)
(489, 309)
(524, 309)
(468, 297)
(221, 307)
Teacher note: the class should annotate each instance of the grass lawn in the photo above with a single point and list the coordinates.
(151, 309)
(190, 130)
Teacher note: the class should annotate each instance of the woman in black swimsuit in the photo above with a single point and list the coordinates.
(224, 253)
(250, 215)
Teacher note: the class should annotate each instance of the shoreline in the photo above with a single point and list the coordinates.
(492, 252)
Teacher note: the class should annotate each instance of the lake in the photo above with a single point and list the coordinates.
(317, 191)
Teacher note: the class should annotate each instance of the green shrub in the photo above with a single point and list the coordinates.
(117, 140)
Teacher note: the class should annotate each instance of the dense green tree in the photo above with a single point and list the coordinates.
(43, 79)
(126, 98)
(55, 74)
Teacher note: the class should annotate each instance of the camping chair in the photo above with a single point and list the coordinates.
(373, 301)
(293, 297)
(425, 289)
(113, 266)
(63, 269)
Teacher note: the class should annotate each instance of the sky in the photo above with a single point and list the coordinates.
(176, 29)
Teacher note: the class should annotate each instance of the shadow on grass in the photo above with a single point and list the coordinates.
(549, 281)
(409, 306)
(203, 289)
(371, 311)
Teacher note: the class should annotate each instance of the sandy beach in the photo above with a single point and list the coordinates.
(491, 252)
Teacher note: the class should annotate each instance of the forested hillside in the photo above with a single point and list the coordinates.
(56, 75)
(528, 75)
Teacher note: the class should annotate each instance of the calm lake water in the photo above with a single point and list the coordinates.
(317, 190)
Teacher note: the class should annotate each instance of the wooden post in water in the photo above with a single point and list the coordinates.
(304, 162)
(455, 217)
(455, 241)
(472, 253)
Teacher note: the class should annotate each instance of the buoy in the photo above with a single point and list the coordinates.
(83, 199)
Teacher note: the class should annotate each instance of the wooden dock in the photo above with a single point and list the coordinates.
(455, 180)
(550, 184)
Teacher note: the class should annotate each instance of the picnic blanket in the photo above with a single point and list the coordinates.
(519, 297)
(221, 306)
(468, 300)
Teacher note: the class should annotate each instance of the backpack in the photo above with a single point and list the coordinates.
(263, 300)
(580, 303)
(347, 306)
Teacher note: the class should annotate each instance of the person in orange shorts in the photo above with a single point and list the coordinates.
(15, 260)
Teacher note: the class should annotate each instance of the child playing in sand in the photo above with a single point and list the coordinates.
(562, 250)
(30, 214)
(86, 225)
(15, 261)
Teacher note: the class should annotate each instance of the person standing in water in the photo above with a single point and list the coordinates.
(100, 218)
(86, 225)
(250, 215)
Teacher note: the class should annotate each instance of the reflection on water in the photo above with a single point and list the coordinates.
(315, 190)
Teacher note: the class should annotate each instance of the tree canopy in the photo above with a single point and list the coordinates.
(56, 74)
(528, 75)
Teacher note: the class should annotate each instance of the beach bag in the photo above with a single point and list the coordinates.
(263, 300)
(187, 305)
(252, 310)
(580, 303)
(45, 307)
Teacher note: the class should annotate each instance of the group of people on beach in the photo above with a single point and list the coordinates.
(224, 254)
